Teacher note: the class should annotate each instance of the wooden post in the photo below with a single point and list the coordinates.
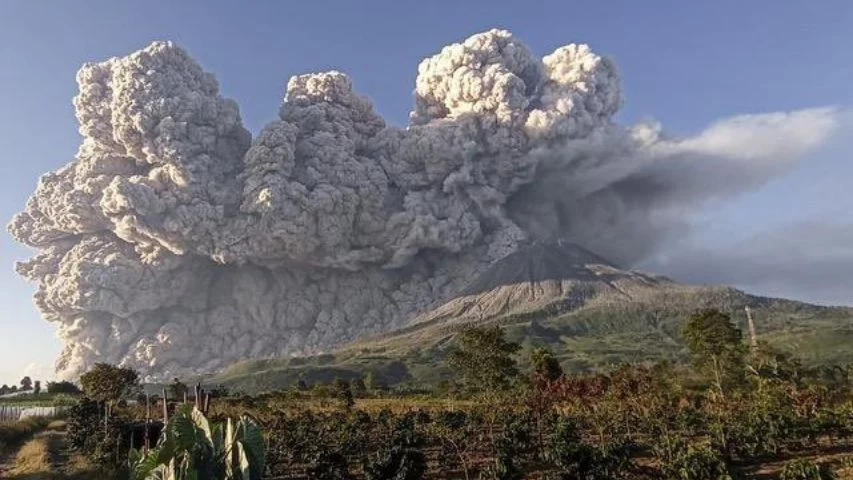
(198, 396)
(165, 407)
(147, 434)
(206, 403)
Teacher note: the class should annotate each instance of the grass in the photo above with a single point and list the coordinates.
(45, 456)
(37, 455)
(13, 433)
(40, 400)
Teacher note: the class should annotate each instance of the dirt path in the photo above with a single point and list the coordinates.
(46, 456)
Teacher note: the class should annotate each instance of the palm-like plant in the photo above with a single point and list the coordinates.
(191, 448)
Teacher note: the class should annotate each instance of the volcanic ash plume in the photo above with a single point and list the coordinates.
(174, 242)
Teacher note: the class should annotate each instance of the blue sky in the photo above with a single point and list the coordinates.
(684, 64)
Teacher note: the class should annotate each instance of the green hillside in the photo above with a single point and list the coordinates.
(596, 336)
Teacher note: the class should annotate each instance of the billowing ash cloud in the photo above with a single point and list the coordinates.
(174, 242)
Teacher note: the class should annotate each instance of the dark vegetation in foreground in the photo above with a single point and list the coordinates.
(738, 410)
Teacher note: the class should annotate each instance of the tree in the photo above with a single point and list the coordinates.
(373, 383)
(37, 387)
(359, 389)
(108, 384)
(484, 358)
(544, 365)
(715, 342)
(62, 387)
(4, 389)
(343, 392)
(26, 384)
(177, 390)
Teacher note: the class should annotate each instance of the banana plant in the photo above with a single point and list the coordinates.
(191, 448)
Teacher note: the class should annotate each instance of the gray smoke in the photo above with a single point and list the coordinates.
(174, 242)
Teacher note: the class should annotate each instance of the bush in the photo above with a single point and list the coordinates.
(576, 459)
(802, 469)
(401, 458)
(193, 448)
(68, 388)
(683, 461)
(105, 444)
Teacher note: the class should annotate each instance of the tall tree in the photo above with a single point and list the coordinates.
(342, 391)
(544, 365)
(715, 343)
(484, 358)
(359, 389)
(177, 389)
(108, 384)
(26, 384)
(373, 383)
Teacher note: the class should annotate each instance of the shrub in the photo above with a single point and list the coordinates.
(69, 388)
(802, 469)
(401, 458)
(192, 448)
(103, 443)
(683, 461)
(576, 459)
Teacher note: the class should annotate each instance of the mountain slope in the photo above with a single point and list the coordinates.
(589, 311)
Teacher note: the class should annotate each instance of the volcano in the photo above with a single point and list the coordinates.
(589, 311)
(556, 276)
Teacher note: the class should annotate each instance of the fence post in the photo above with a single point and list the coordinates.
(146, 441)
(165, 407)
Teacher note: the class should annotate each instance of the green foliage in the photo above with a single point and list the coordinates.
(359, 389)
(108, 383)
(483, 357)
(192, 448)
(544, 365)
(373, 383)
(400, 458)
(330, 466)
(576, 459)
(64, 400)
(63, 387)
(513, 446)
(801, 469)
(12, 433)
(715, 343)
(342, 391)
(103, 443)
(687, 461)
(177, 390)
(26, 384)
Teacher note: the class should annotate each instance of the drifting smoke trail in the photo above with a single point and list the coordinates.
(174, 242)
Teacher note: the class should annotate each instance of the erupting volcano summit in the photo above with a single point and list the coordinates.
(174, 242)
